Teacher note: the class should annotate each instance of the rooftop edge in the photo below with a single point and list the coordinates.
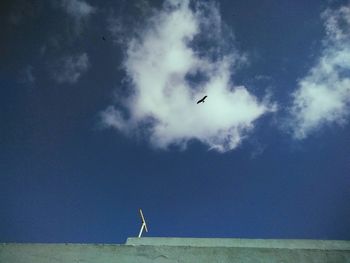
(240, 243)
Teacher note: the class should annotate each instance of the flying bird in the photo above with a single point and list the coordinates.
(202, 100)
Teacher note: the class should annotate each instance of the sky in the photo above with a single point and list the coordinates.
(99, 117)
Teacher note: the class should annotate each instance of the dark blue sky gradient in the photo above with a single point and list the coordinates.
(65, 179)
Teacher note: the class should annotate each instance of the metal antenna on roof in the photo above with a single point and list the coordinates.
(143, 226)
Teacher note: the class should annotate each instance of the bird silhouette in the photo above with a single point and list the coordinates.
(202, 100)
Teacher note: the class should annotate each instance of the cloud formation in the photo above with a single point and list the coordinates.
(323, 95)
(77, 8)
(70, 68)
(169, 72)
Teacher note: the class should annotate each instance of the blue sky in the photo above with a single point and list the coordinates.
(93, 129)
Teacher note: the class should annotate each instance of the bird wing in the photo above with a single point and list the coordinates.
(201, 100)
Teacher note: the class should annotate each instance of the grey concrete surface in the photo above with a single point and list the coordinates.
(169, 250)
(238, 242)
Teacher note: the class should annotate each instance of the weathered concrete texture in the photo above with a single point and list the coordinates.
(168, 250)
(238, 242)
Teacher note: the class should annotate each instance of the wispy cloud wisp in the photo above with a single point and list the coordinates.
(77, 8)
(70, 68)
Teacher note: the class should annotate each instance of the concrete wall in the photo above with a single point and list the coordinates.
(168, 250)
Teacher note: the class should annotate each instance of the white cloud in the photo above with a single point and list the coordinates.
(160, 61)
(70, 68)
(323, 96)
